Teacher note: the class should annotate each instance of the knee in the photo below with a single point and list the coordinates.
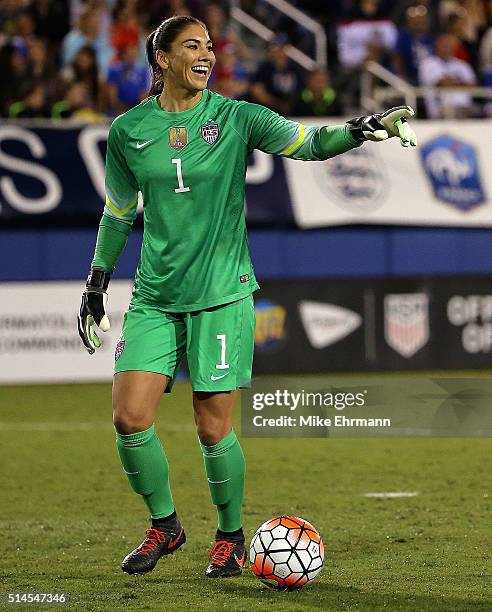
(128, 420)
(212, 433)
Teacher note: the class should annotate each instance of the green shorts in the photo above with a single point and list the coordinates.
(218, 343)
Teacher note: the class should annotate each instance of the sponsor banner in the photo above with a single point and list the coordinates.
(444, 181)
(39, 341)
(308, 326)
(311, 326)
(58, 173)
(466, 323)
(302, 327)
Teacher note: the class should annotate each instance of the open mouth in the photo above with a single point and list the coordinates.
(200, 71)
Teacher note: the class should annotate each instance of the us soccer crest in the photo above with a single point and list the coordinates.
(178, 137)
(406, 322)
(210, 132)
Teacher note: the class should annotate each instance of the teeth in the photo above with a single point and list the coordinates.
(200, 69)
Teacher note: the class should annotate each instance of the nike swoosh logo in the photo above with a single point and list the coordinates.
(130, 472)
(218, 377)
(141, 145)
(240, 561)
(172, 543)
(218, 481)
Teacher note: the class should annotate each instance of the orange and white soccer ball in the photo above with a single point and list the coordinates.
(286, 553)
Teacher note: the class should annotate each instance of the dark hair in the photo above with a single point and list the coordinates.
(90, 77)
(162, 39)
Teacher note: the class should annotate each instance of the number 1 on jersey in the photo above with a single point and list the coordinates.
(181, 188)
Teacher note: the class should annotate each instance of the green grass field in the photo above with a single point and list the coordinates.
(68, 515)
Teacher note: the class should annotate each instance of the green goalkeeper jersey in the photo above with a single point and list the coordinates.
(190, 167)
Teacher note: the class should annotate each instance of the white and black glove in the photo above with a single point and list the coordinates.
(381, 126)
(93, 309)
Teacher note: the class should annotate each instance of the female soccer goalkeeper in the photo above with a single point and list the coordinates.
(185, 148)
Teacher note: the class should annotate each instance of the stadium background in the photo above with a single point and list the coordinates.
(380, 263)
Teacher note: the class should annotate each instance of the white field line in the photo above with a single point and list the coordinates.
(392, 495)
(62, 426)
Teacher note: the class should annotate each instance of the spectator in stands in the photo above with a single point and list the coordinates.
(318, 98)
(89, 31)
(52, 19)
(485, 52)
(17, 80)
(443, 69)
(157, 10)
(230, 76)
(26, 27)
(128, 81)
(414, 42)
(367, 34)
(398, 13)
(277, 80)
(125, 29)
(22, 32)
(467, 40)
(222, 34)
(83, 69)
(9, 11)
(472, 12)
(42, 68)
(77, 105)
(32, 106)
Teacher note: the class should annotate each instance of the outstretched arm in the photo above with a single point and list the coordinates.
(269, 132)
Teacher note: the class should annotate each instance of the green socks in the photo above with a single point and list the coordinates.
(225, 468)
(145, 464)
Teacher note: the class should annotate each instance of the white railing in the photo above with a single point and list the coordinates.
(375, 96)
(372, 96)
(251, 23)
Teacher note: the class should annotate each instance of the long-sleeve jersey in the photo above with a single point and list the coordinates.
(190, 167)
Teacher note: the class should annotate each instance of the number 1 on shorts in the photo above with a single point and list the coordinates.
(222, 365)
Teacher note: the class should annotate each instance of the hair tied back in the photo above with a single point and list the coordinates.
(154, 41)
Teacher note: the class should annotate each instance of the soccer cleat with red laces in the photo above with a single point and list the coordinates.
(156, 544)
(226, 559)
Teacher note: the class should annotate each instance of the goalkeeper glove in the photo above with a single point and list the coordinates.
(381, 126)
(93, 309)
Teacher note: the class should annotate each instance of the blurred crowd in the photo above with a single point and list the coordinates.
(86, 59)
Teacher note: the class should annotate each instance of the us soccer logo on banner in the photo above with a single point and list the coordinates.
(210, 132)
(406, 322)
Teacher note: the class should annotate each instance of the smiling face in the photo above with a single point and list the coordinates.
(189, 62)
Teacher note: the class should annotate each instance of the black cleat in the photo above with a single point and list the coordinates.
(156, 544)
(226, 559)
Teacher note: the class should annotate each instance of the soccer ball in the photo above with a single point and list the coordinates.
(286, 553)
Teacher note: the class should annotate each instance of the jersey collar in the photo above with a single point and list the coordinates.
(183, 114)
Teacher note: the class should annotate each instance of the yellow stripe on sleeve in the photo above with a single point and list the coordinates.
(120, 213)
(291, 148)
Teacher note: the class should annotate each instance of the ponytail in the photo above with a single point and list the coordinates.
(157, 75)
